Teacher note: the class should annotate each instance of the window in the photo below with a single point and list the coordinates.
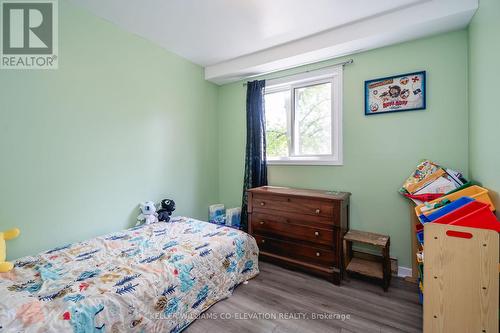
(304, 118)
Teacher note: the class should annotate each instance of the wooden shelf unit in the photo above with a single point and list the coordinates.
(371, 266)
(366, 267)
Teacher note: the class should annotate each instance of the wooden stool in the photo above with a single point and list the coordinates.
(377, 268)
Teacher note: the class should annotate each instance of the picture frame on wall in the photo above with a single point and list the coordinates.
(404, 92)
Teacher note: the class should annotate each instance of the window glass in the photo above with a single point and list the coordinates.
(277, 107)
(313, 120)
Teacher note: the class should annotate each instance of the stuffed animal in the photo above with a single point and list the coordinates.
(148, 213)
(6, 235)
(167, 207)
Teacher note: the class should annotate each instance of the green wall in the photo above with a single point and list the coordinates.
(120, 121)
(379, 151)
(484, 71)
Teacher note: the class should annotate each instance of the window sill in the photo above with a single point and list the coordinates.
(305, 162)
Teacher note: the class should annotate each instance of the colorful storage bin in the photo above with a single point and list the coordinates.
(445, 210)
(474, 214)
(462, 211)
(475, 192)
(420, 237)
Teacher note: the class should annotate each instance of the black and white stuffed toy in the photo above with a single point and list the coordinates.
(167, 207)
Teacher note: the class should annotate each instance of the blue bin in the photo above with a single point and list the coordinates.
(420, 237)
(420, 297)
(446, 209)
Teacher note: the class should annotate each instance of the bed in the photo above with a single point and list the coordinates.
(153, 278)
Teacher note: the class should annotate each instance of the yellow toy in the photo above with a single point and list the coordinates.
(6, 235)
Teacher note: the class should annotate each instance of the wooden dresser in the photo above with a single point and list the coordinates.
(300, 229)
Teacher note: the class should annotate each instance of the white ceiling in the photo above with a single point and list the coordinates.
(234, 38)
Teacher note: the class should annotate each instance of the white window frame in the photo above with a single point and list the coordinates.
(332, 75)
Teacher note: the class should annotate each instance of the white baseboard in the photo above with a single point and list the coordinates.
(404, 271)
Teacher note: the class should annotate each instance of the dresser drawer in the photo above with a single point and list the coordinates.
(293, 218)
(293, 204)
(305, 253)
(269, 225)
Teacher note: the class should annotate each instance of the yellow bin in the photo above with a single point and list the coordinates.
(475, 192)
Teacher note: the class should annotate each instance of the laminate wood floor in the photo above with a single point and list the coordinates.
(263, 304)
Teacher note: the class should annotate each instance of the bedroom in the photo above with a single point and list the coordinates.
(148, 101)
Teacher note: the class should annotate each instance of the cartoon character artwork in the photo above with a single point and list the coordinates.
(396, 93)
(374, 107)
(404, 93)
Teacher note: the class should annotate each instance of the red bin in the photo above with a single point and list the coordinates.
(475, 214)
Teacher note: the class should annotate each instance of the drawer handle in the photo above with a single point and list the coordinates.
(316, 233)
(318, 211)
(262, 203)
(261, 222)
(318, 254)
(263, 241)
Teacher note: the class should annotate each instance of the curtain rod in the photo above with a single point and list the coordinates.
(343, 63)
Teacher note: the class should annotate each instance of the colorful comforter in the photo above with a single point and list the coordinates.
(154, 278)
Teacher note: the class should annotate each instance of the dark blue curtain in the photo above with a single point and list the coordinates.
(255, 159)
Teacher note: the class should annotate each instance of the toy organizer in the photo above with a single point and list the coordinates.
(467, 207)
(461, 274)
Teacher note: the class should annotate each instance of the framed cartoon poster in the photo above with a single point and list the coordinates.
(404, 92)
